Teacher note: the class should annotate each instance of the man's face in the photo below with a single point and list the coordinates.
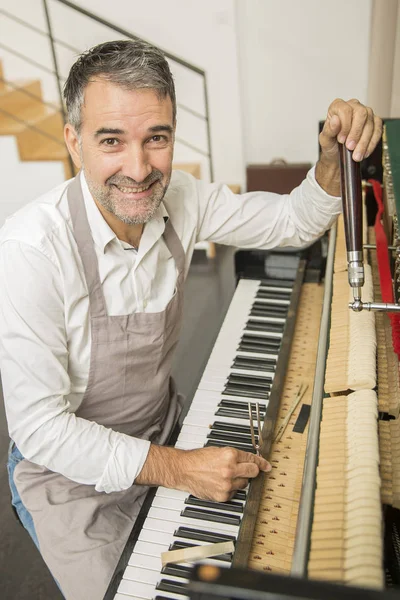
(125, 149)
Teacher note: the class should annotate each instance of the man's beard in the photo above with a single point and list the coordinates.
(113, 201)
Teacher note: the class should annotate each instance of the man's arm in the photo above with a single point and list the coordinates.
(210, 473)
(36, 383)
(350, 123)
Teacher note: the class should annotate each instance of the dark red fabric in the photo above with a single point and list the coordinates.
(385, 276)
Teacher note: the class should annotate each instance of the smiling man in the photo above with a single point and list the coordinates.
(92, 280)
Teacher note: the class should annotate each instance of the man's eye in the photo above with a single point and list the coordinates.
(158, 138)
(110, 142)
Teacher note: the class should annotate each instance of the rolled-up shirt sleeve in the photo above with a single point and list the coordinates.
(36, 384)
(263, 219)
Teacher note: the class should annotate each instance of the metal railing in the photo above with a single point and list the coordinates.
(54, 70)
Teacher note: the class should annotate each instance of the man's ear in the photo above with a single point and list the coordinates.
(72, 142)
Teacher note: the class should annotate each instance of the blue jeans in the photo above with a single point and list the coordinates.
(14, 457)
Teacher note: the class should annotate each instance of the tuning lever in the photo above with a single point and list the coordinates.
(350, 179)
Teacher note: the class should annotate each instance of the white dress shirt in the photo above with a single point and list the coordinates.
(44, 305)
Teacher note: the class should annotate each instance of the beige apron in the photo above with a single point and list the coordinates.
(82, 532)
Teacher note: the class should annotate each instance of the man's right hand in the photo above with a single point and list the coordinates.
(209, 473)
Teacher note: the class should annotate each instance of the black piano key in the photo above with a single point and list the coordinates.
(180, 545)
(261, 339)
(240, 495)
(257, 348)
(254, 364)
(229, 506)
(175, 587)
(272, 295)
(253, 325)
(277, 310)
(177, 571)
(222, 444)
(203, 536)
(221, 426)
(258, 311)
(229, 438)
(210, 515)
(238, 405)
(241, 392)
(282, 283)
(257, 380)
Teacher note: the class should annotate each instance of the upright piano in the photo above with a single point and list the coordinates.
(326, 520)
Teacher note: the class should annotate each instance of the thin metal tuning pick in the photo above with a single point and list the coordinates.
(256, 445)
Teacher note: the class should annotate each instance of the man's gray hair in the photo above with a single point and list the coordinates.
(131, 64)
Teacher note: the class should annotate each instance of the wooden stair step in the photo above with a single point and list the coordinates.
(15, 124)
(43, 149)
(25, 94)
(48, 128)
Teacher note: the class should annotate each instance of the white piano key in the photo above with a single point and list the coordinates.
(190, 437)
(170, 493)
(136, 589)
(189, 445)
(145, 561)
(190, 429)
(150, 549)
(148, 576)
(169, 503)
(154, 537)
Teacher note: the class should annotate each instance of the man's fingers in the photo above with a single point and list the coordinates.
(240, 483)
(378, 128)
(362, 126)
(248, 457)
(353, 124)
(344, 111)
(247, 470)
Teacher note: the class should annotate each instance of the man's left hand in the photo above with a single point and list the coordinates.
(350, 123)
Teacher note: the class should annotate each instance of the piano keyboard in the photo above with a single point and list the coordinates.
(240, 369)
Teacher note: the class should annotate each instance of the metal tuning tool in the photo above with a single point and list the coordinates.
(256, 444)
(351, 188)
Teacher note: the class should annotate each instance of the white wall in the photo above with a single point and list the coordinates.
(296, 56)
(272, 66)
(22, 182)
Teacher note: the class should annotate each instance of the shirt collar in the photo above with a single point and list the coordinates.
(103, 234)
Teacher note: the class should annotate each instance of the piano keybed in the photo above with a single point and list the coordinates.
(241, 367)
(277, 518)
